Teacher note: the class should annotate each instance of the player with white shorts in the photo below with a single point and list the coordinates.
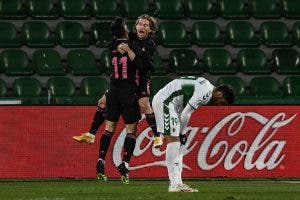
(173, 106)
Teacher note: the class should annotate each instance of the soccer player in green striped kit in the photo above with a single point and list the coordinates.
(173, 106)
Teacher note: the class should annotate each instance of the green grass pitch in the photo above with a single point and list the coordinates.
(88, 189)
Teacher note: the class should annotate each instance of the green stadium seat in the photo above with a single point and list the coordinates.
(235, 82)
(172, 34)
(160, 69)
(71, 34)
(71, 9)
(158, 82)
(36, 34)
(265, 86)
(291, 8)
(291, 86)
(106, 63)
(130, 25)
(29, 89)
(265, 9)
(103, 9)
(12, 9)
(296, 33)
(8, 35)
(286, 61)
(203, 9)
(169, 9)
(47, 62)
(15, 67)
(42, 9)
(3, 88)
(206, 34)
(82, 62)
(241, 33)
(275, 33)
(100, 33)
(232, 9)
(218, 61)
(253, 61)
(26, 86)
(62, 90)
(92, 88)
(184, 61)
(133, 9)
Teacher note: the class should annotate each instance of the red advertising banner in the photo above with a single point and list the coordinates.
(235, 141)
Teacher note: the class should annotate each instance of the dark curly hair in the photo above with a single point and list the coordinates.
(118, 27)
(227, 93)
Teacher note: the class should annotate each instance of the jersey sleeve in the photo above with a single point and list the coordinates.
(202, 95)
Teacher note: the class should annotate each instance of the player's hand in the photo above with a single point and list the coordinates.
(120, 49)
(183, 139)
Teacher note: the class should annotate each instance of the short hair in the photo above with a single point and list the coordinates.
(227, 93)
(152, 22)
(118, 27)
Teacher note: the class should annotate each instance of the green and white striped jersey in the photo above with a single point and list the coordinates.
(190, 90)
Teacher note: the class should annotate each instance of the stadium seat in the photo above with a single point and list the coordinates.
(232, 9)
(82, 62)
(12, 9)
(103, 9)
(71, 9)
(26, 86)
(92, 88)
(100, 33)
(44, 9)
(28, 90)
(291, 86)
(106, 63)
(62, 90)
(8, 35)
(169, 9)
(160, 69)
(71, 34)
(3, 88)
(253, 61)
(184, 61)
(241, 33)
(235, 82)
(158, 82)
(203, 9)
(265, 9)
(218, 61)
(15, 67)
(265, 86)
(206, 34)
(36, 34)
(296, 33)
(172, 34)
(291, 8)
(286, 61)
(132, 9)
(130, 25)
(47, 62)
(275, 33)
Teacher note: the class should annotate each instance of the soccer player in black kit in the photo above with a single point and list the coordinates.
(121, 98)
(145, 47)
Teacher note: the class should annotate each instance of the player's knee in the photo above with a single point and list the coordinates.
(110, 126)
(145, 107)
(102, 103)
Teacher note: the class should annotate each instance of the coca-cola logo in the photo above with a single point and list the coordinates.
(270, 150)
